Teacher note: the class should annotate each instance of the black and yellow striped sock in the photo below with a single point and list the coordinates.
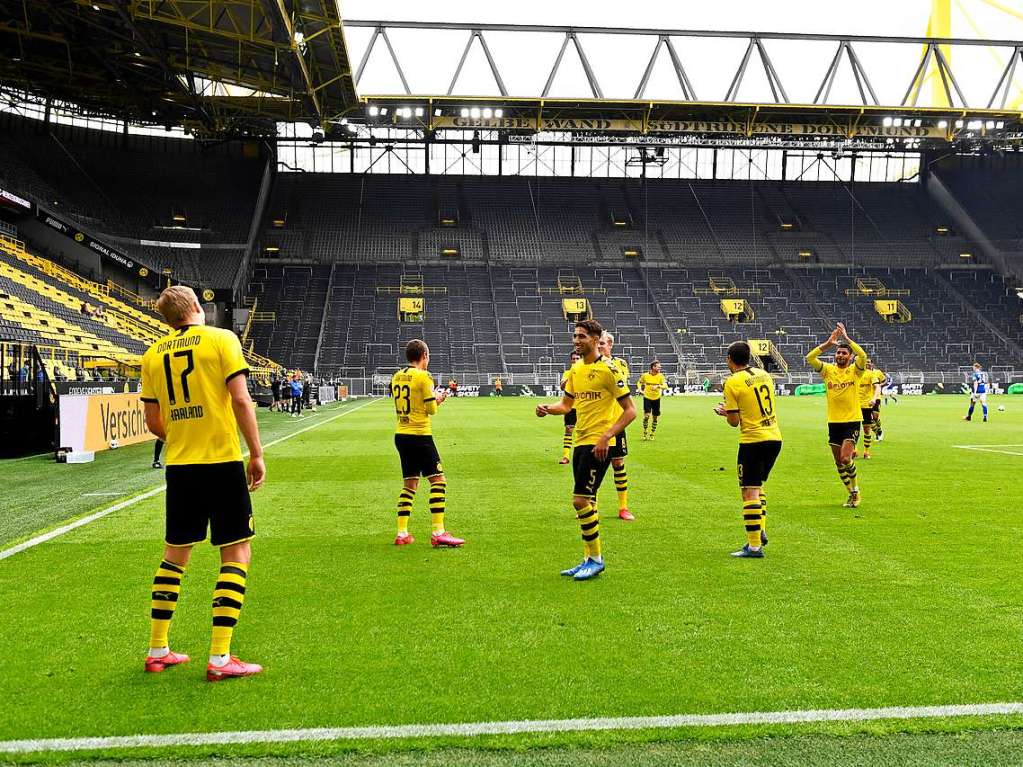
(405, 499)
(877, 424)
(566, 445)
(763, 510)
(438, 491)
(868, 438)
(851, 471)
(622, 486)
(589, 525)
(646, 424)
(228, 597)
(166, 589)
(653, 426)
(751, 518)
(843, 473)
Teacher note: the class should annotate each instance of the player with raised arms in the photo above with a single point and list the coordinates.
(842, 381)
(601, 397)
(196, 397)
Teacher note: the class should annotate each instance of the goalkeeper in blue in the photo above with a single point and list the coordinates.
(978, 392)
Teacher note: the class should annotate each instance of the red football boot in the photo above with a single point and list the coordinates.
(626, 515)
(404, 540)
(446, 539)
(156, 665)
(563, 461)
(233, 668)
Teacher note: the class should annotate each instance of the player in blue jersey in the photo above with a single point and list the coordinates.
(978, 383)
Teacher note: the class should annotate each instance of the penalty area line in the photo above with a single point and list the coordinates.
(475, 729)
(89, 518)
(990, 449)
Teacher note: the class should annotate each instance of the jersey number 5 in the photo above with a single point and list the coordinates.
(402, 392)
(189, 367)
(765, 403)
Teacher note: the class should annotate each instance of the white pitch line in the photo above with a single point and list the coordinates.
(475, 729)
(95, 495)
(990, 449)
(56, 532)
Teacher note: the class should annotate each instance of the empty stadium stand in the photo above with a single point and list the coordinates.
(794, 250)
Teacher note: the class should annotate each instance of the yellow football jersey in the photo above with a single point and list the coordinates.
(866, 386)
(750, 393)
(594, 390)
(651, 385)
(186, 373)
(414, 400)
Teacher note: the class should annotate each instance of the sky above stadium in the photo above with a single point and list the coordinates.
(429, 58)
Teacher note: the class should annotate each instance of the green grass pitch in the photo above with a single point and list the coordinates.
(912, 599)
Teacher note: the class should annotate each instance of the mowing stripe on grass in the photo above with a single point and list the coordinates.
(472, 729)
(58, 531)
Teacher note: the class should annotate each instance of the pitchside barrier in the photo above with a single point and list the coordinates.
(90, 423)
(698, 382)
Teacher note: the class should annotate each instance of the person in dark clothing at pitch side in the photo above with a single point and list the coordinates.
(296, 395)
(275, 390)
(285, 406)
(307, 393)
(157, 449)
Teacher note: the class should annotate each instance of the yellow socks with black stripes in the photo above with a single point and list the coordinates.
(589, 525)
(868, 439)
(751, 516)
(622, 486)
(405, 499)
(437, 502)
(653, 426)
(763, 511)
(228, 596)
(847, 472)
(646, 425)
(566, 445)
(166, 589)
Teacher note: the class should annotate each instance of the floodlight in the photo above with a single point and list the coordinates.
(897, 122)
(990, 124)
(498, 113)
(419, 111)
(383, 111)
(438, 112)
(942, 124)
(887, 122)
(474, 113)
(488, 112)
(463, 112)
(959, 123)
(374, 111)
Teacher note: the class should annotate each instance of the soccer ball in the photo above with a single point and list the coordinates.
(114, 444)
(1001, 408)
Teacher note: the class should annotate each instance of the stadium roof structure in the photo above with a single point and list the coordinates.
(949, 113)
(237, 67)
(218, 66)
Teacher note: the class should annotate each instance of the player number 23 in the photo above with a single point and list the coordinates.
(402, 394)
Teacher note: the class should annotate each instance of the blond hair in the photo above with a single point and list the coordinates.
(176, 304)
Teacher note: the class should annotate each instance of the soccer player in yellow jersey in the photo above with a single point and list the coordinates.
(749, 404)
(870, 395)
(842, 380)
(196, 398)
(414, 403)
(601, 397)
(651, 384)
(882, 384)
(621, 449)
(570, 418)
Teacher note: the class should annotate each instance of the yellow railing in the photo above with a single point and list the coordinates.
(135, 298)
(248, 321)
